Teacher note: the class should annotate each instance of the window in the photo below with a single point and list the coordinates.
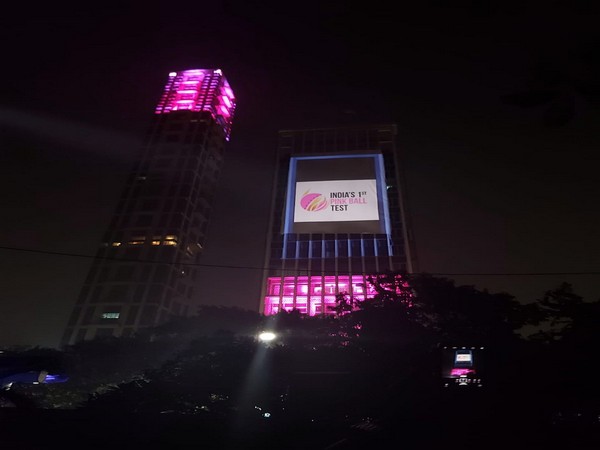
(140, 290)
(104, 332)
(118, 293)
(125, 273)
(148, 315)
(110, 315)
(342, 248)
(149, 205)
(355, 247)
(89, 314)
(81, 335)
(382, 248)
(143, 221)
(303, 250)
(329, 249)
(74, 316)
(275, 289)
(316, 247)
(132, 315)
(368, 247)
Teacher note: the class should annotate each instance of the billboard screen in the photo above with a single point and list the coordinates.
(462, 366)
(336, 194)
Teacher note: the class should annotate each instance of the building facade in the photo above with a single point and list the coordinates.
(144, 270)
(338, 216)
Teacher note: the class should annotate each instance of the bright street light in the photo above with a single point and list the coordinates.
(267, 336)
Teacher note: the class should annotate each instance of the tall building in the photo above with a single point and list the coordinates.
(144, 271)
(338, 215)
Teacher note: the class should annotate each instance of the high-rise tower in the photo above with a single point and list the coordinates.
(144, 272)
(338, 215)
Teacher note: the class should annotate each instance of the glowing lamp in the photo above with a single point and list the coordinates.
(267, 336)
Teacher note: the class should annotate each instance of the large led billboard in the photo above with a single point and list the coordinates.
(337, 194)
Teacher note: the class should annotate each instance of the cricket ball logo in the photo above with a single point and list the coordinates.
(313, 201)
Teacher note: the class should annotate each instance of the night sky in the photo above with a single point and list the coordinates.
(496, 107)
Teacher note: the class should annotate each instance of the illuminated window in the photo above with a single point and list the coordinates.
(275, 289)
(288, 289)
(137, 240)
(302, 289)
(110, 315)
(170, 239)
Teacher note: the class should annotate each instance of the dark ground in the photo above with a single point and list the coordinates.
(455, 420)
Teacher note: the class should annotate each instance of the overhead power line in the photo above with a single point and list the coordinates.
(231, 266)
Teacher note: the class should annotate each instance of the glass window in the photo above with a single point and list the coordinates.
(368, 247)
(382, 248)
(342, 248)
(149, 204)
(329, 249)
(118, 293)
(275, 289)
(288, 289)
(316, 249)
(89, 315)
(302, 249)
(125, 273)
(140, 290)
(355, 247)
(290, 250)
(74, 317)
(81, 335)
(110, 315)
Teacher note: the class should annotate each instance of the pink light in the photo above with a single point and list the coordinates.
(198, 90)
(321, 300)
(457, 372)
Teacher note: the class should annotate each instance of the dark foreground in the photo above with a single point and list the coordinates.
(456, 422)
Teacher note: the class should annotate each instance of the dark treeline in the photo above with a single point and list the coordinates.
(372, 368)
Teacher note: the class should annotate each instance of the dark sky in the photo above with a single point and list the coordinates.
(493, 186)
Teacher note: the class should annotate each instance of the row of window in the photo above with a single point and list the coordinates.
(161, 289)
(336, 139)
(336, 248)
(170, 240)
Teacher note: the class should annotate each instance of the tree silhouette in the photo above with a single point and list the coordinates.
(560, 84)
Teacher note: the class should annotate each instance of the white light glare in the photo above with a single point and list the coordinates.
(267, 336)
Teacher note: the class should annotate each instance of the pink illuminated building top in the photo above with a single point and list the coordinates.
(199, 90)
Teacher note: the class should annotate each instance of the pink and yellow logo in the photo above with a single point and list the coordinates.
(313, 202)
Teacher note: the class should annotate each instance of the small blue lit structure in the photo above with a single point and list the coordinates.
(31, 377)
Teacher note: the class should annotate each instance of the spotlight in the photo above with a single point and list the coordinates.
(267, 336)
